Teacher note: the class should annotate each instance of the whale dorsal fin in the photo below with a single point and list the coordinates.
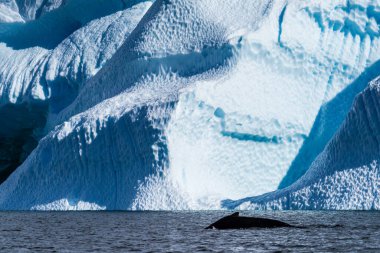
(236, 214)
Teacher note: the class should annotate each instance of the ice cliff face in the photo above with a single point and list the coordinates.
(185, 104)
(37, 80)
(346, 174)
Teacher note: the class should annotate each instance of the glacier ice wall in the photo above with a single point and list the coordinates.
(346, 174)
(183, 104)
(35, 81)
(109, 179)
(260, 119)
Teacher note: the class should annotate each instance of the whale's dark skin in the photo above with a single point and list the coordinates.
(234, 221)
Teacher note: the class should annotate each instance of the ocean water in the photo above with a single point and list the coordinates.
(344, 231)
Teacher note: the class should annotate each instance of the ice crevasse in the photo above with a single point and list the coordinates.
(191, 105)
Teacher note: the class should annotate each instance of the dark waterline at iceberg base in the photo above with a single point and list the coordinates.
(344, 231)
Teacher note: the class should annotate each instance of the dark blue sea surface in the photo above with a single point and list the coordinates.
(344, 231)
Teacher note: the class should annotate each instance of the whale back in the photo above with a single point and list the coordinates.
(236, 214)
(234, 221)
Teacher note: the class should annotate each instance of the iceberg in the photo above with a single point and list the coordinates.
(346, 174)
(36, 81)
(151, 105)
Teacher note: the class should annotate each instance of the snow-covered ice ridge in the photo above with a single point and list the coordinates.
(174, 104)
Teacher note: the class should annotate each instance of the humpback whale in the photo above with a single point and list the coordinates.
(234, 221)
